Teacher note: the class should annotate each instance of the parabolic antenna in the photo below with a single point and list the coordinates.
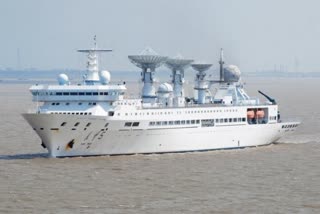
(148, 58)
(201, 66)
(178, 63)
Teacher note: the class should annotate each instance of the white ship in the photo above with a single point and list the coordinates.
(97, 118)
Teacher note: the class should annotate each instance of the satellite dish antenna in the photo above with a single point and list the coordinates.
(148, 60)
(201, 83)
(177, 66)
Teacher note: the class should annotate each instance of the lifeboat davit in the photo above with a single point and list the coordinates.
(250, 114)
(260, 114)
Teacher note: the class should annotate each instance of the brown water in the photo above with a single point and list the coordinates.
(280, 178)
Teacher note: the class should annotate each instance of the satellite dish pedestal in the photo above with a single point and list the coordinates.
(177, 65)
(201, 82)
(148, 61)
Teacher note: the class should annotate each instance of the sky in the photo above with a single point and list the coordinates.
(255, 34)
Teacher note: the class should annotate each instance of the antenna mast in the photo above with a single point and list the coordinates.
(221, 62)
(92, 76)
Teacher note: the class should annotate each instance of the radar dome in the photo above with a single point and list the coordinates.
(105, 77)
(165, 88)
(63, 79)
(232, 73)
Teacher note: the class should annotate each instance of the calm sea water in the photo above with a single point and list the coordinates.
(280, 178)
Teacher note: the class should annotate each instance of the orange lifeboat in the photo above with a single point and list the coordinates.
(250, 114)
(260, 114)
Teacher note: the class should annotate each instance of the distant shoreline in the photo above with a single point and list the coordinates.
(49, 76)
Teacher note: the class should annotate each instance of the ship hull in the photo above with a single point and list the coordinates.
(99, 135)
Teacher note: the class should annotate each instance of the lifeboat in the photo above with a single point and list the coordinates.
(260, 114)
(250, 114)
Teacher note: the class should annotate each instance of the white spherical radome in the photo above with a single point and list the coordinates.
(165, 88)
(105, 77)
(231, 73)
(63, 79)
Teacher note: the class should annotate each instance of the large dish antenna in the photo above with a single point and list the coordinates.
(148, 60)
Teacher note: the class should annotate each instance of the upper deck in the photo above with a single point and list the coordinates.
(47, 93)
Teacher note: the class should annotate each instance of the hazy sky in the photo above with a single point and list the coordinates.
(256, 34)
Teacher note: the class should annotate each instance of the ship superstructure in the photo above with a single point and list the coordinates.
(95, 118)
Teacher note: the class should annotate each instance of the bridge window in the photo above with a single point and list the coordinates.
(151, 123)
(135, 124)
(128, 124)
(95, 93)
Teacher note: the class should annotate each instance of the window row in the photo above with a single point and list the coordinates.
(56, 104)
(231, 120)
(131, 124)
(142, 113)
(175, 122)
(73, 113)
(204, 123)
(112, 93)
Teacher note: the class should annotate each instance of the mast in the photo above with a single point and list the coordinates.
(221, 62)
(92, 76)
